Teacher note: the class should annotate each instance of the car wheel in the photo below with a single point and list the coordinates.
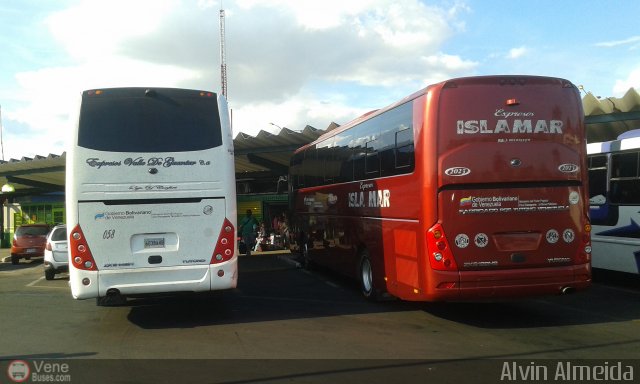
(49, 274)
(15, 260)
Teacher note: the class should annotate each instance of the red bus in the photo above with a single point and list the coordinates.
(472, 188)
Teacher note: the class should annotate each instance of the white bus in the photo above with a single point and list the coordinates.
(614, 190)
(150, 194)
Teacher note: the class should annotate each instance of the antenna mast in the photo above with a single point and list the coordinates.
(223, 60)
(1, 141)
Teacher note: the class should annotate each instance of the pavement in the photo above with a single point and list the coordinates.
(5, 255)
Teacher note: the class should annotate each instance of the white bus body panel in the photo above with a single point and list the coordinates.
(615, 254)
(155, 280)
(609, 251)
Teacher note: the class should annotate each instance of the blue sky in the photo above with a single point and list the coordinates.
(295, 62)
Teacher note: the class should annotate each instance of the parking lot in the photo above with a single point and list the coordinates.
(280, 313)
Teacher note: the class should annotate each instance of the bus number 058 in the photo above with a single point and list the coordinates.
(109, 234)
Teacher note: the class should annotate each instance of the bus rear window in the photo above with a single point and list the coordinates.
(149, 120)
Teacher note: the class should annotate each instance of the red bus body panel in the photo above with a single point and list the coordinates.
(499, 167)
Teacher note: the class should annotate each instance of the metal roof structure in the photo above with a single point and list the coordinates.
(36, 175)
(267, 155)
(606, 118)
(264, 156)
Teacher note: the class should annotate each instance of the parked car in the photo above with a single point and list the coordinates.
(28, 241)
(56, 259)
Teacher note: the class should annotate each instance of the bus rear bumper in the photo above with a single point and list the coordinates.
(497, 284)
(142, 281)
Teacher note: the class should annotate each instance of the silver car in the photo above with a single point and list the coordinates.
(56, 259)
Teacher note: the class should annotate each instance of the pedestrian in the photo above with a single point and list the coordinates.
(248, 227)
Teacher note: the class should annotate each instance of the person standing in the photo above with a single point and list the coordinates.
(248, 226)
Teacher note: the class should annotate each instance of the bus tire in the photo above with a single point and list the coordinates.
(367, 285)
(111, 301)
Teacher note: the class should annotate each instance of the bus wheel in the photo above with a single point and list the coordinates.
(111, 301)
(367, 285)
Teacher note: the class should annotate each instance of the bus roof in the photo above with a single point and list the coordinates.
(364, 117)
(625, 141)
(490, 79)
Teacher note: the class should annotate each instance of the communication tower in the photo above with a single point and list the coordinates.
(223, 60)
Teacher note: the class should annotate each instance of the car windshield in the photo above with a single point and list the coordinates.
(32, 231)
(59, 234)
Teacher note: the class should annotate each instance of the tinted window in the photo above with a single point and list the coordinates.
(32, 231)
(313, 173)
(343, 157)
(597, 178)
(372, 160)
(625, 191)
(624, 165)
(380, 146)
(404, 149)
(361, 136)
(158, 120)
(625, 181)
(59, 234)
(327, 159)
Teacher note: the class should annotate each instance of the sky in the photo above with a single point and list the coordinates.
(293, 63)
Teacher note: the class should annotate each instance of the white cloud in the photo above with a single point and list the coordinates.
(615, 43)
(50, 96)
(375, 43)
(294, 114)
(314, 14)
(632, 81)
(516, 53)
(278, 53)
(96, 29)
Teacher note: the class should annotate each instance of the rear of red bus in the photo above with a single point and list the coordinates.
(506, 159)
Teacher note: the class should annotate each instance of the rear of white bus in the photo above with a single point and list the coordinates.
(150, 194)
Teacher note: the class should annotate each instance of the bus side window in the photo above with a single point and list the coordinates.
(342, 155)
(404, 149)
(597, 165)
(625, 181)
(372, 159)
(358, 148)
(311, 168)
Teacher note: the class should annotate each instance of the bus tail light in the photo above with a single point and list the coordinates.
(81, 256)
(225, 247)
(584, 253)
(439, 252)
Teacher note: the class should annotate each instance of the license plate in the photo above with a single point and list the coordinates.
(155, 242)
(31, 250)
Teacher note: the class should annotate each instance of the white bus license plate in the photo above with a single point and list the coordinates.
(155, 242)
